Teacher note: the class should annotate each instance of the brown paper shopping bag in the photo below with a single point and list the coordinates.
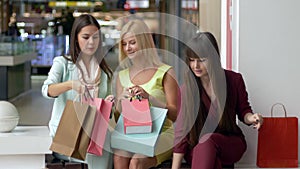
(72, 136)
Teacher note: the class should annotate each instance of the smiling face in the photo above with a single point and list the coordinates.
(129, 45)
(88, 39)
(198, 66)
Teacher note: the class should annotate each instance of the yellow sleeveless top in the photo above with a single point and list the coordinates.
(154, 86)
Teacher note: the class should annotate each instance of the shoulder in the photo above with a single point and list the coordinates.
(60, 59)
(233, 77)
(167, 72)
(63, 62)
(231, 73)
(165, 67)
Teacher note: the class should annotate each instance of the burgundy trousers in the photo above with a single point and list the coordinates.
(215, 150)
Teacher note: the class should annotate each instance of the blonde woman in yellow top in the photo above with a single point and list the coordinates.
(147, 76)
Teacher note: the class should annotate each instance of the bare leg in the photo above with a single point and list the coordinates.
(121, 159)
(142, 162)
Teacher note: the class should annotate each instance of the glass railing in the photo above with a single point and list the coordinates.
(14, 46)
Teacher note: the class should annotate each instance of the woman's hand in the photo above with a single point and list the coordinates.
(255, 119)
(125, 94)
(137, 90)
(110, 98)
(77, 86)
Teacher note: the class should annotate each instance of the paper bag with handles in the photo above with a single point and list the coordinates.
(278, 141)
(100, 124)
(75, 127)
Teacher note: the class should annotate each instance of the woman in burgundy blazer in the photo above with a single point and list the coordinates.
(207, 135)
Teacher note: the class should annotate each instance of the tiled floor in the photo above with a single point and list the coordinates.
(33, 108)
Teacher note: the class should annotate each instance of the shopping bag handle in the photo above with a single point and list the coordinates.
(139, 97)
(281, 106)
(87, 94)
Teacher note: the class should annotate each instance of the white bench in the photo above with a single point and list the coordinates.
(25, 147)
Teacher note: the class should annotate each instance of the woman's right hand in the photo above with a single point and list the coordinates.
(77, 86)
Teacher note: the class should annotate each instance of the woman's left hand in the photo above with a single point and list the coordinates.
(137, 90)
(255, 119)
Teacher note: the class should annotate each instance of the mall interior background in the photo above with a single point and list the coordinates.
(263, 43)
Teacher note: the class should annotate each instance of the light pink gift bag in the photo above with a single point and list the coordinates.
(100, 125)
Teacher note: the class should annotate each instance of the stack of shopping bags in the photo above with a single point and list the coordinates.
(82, 128)
(138, 127)
(136, 116)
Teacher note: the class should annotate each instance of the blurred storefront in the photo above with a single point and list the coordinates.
(43, 24)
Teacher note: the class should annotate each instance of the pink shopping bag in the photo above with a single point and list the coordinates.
(136, 116)
(100, 125)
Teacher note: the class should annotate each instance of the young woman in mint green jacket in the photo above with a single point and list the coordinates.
(70, 75)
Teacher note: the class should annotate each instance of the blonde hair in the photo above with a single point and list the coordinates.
(144, 40)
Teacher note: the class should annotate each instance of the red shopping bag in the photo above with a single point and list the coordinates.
(100, 125)
(278, 142)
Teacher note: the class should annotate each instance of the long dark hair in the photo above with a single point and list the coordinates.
(80, 22)
(204, 45)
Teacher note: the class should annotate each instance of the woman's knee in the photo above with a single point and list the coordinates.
(135, 163)
(211, 137)
(206, 145)
(142, 162)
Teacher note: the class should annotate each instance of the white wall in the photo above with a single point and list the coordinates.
(269, 59)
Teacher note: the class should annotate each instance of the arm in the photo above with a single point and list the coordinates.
(171, 91)
(54, 85)
(177, 159)
(245, 110)
(119, 91)
(109, 96)
(122, 93)
(180, 148)
(56, 89)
